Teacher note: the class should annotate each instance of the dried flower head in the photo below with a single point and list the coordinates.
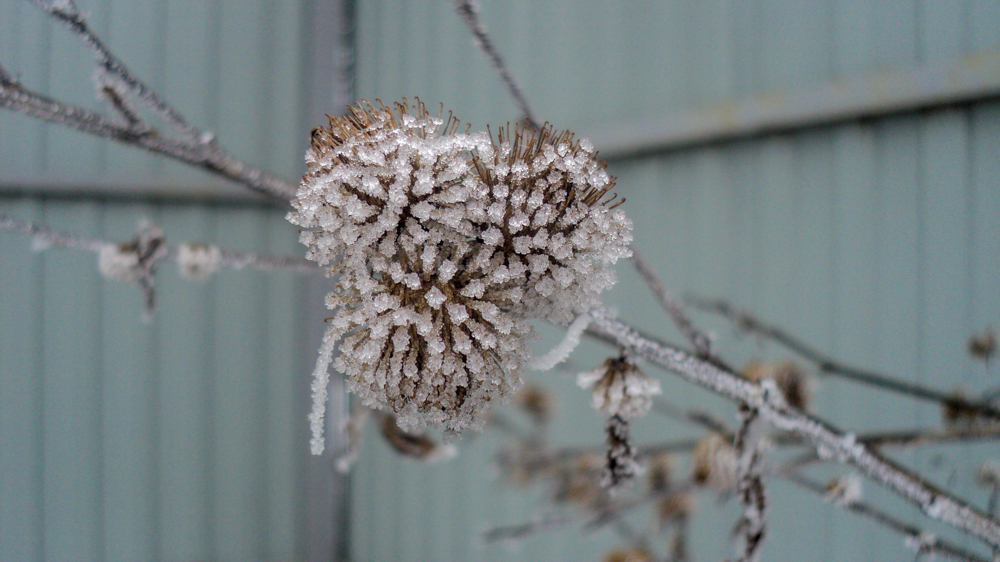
(443, 244)
(578, 482)
(793, 382)
(620, 388)
(714, 463)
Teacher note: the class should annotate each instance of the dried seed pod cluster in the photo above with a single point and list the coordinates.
(444, 244)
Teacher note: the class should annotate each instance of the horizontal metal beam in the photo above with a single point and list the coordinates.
(971, 79)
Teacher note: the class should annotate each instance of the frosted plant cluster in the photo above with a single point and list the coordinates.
(620, 388)
(443, 244)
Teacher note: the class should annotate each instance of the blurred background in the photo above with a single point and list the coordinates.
(830, 165)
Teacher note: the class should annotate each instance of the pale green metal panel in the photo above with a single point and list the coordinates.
(179, 439)
(878, 241)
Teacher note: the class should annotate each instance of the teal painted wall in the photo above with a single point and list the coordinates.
(184, 438)
(878, 242)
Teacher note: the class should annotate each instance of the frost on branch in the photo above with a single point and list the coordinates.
(198, 262)
(444, 244)
(620, 388)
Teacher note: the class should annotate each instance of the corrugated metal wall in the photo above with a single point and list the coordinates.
(877, 241)
(184, 438)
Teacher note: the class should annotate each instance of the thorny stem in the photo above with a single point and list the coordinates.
(828, 365)
(928, 544)
(469, 13)
(231, 259)
(196, 149)
(829, 441)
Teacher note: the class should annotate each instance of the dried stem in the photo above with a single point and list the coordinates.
(750, 484)
(928, 543)
(829, 441)
(828, 365)
(469, 12)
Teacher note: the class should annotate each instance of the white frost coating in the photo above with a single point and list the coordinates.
(198, 262)
(118, 262)
(922, 542)
(935, 503)
(417, 221)
(562, 351)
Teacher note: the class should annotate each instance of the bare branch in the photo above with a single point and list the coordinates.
(469, 12)
(828, 365)
(701, 342)
(206, 156)
(926, 542)
(47, 236)
(67, 13)
(829, 441)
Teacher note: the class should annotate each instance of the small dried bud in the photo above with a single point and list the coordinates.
(628, 555)
(989, 473)
(794, 384)
(675, 508)
(414, 445)
(578, 484)
(198, 262)
(536, 402)
(620, 388)
(714, 463)
(658, 471)
(983, 346)
(844, 491)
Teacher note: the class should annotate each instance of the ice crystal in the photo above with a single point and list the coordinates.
(620, 388)
(444, 243)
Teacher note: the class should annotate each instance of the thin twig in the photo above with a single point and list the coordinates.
(829, 441)
(48, 236)
(701, 342)
(828, 365)
(927, 543)
(66, 12)
(469, 12)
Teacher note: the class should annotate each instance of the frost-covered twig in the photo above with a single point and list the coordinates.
(66, 12)
(564, 348)
(195, 147)
(914, 535)
(469, 12)
(827, 365)
(524, 530)
(829, 441)
(46, 236)
(701, 342)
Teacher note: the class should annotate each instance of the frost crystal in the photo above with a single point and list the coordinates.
(197, 262)
(620, 388)
(444, 244)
